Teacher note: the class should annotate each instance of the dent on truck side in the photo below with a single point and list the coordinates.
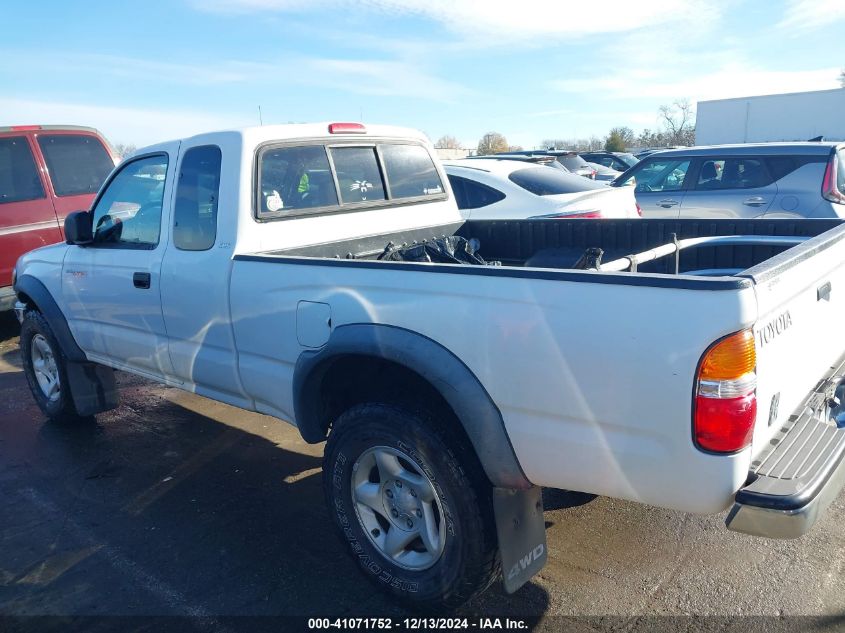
(445, 372)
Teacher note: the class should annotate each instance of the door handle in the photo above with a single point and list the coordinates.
(667, 203)
(141, 280)
(754, 201)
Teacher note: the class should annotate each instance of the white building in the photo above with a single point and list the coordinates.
(797, 116)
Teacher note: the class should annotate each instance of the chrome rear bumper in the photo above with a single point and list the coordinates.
(792, 483)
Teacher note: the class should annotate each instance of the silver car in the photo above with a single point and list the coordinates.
(771, 180)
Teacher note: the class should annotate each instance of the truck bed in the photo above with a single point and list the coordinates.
(557, 245)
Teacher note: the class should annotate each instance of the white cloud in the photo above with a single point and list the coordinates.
(139, 126)
(384, 78)
(735, 80)
(805, 15)
(501, 19)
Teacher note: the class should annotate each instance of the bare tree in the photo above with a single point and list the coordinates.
(515, 148)
(679, 122)
(842, 78)
(447, 141)
(492, 143)
(123, 150)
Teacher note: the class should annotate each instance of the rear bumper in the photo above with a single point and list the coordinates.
(792, 483)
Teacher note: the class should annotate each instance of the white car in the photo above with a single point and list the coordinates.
(497, 189)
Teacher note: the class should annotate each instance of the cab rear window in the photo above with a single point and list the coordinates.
(297, 180)
(77, 163)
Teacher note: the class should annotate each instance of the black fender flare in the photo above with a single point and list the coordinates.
(92, 387)
(47, 306)
(445, 372)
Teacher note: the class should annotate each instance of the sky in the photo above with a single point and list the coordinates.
(144, 72)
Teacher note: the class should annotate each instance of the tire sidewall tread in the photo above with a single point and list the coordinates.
(469, 562)
(62, 409)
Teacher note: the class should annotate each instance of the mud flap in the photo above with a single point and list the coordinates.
(92, 387)
(521, 529)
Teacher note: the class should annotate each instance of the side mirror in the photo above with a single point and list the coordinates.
(78, 228)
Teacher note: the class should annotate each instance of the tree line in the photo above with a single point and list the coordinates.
(676, 127)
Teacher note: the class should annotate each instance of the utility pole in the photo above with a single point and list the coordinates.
(260, 119)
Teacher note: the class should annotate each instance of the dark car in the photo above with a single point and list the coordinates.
(620, 161)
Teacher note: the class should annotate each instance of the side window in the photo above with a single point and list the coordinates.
(782, 166)
(410, 171)
(358, 174)
(128, 214)
(733, 173)
(295, 178)
(663, 174)
(473, 195)
(19, 179)
(195, 209)
(77, 163)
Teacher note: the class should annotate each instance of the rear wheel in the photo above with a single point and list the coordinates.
(45, 368)
(411, 505)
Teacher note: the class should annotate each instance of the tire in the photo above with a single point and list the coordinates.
(42, 359)
(444, 487)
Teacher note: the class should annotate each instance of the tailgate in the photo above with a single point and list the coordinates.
(800, 328)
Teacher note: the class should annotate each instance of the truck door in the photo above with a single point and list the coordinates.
(27, 217)
(195, 275)
(112, 287)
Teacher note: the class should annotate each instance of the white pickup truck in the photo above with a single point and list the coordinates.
(322, 274)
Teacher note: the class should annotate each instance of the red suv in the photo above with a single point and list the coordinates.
(46, 172)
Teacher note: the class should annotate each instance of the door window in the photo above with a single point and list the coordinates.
(662, 174)
(19, 179)
(732, 173)
(77, 163)
(195, 209)
(128, 214)
(358, 174)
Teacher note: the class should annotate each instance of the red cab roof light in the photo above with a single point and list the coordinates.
(25, 128)
(347, 128)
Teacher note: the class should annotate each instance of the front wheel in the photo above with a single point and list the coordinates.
(45, 368)
(412, 506)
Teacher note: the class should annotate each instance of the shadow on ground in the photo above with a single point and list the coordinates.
(157, 509)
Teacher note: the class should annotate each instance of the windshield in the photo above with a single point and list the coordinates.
(542, 181)
(628, 159)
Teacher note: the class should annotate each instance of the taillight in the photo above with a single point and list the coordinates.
(347, 128)
(639, 209)
(830, 190)
(726, 395)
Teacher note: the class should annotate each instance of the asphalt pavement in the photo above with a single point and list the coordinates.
(174, 505)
